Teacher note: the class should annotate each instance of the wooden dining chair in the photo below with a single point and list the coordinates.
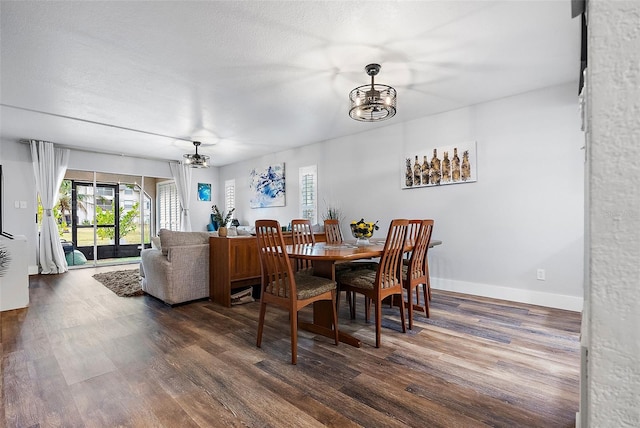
(333, 236)
(332, 232)
(302, 234)
(415, 272)
(384, 281)
(284, 288)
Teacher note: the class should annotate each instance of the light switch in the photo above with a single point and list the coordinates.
(16, 204)
(23, 204)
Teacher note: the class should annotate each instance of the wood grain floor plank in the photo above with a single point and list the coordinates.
(82, 356)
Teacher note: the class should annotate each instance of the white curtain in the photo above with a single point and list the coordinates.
(49, 167)
(182, 175)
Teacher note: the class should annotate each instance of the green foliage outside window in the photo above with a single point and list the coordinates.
(107, 217)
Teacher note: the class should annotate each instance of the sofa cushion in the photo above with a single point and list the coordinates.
(170, 238)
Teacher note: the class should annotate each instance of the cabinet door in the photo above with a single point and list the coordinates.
(244, 260)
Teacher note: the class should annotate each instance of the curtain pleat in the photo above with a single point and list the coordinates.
(182, 176)
(49, 167)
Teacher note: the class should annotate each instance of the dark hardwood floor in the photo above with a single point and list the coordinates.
(81, 356)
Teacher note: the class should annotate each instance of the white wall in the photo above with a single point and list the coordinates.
(525, 211)
(611, 331)
(200, 210)
(19, 185)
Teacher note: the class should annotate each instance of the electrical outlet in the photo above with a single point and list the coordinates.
(541, 275)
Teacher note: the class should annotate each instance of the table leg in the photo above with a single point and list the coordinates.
(322, 318)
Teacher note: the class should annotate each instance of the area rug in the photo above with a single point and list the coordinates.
(125, 283)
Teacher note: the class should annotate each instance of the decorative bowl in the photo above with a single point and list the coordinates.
(363, 230)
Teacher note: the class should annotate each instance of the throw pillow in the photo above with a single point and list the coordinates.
(155, 243)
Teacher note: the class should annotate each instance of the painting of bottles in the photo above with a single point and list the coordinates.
(439, 166)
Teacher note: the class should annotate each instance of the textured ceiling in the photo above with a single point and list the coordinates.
(253, 77)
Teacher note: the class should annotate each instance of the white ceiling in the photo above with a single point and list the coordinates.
(253, 77)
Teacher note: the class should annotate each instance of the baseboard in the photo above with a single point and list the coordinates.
(33, 270)
(550, 300)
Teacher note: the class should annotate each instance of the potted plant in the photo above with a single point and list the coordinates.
(221, 219)
(5, 258)
(332, 212)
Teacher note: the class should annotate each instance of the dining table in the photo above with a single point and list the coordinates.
(324, 258)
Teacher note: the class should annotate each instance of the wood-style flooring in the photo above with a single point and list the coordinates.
(79, 356)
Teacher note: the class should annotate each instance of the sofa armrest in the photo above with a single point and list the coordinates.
(189, 273)
(180, 276)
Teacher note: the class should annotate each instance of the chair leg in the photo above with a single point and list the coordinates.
(263, 309)
(335, 317)
(367, 308)
(426, 304)
(410, 303)
(294, 338)
(427, 286)
(402, 318)
(352, 305)
(378, 304)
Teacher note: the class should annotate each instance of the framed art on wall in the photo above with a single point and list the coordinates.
(267, 187)
(438, 166)
(204, 192)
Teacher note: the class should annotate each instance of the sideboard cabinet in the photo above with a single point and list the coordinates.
(234, 263)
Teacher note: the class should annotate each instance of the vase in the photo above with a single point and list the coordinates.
(222, 231)
(362, 231)
(362, 241)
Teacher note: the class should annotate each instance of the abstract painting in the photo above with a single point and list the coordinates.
(267, 187)
(438, 166)
(204, 192)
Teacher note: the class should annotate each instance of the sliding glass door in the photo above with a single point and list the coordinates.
(109, 221)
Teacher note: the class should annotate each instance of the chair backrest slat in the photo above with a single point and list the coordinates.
(276, 270)
(412, 231)
(389, 270)
(332, 232)
(302, 234)
(418, 260)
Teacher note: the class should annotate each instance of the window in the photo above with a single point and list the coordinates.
(308, 193)
(229, 194)
(105, 197)
(168, 206)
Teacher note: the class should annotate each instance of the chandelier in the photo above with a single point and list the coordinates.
(196, 160)
(374, 102)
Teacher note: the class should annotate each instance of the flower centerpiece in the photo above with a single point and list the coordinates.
(363, 230)
(221, 219)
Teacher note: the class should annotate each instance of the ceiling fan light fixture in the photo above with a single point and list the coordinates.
(373, 102)
(196, 160)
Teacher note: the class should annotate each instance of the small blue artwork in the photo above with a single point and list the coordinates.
(267, 187)
(204, 192)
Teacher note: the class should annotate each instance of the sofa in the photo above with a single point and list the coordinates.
(176, 268)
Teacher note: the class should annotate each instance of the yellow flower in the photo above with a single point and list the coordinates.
(363, 229)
